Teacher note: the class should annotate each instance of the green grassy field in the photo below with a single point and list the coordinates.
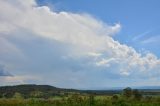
(79, 100)
(33, 95)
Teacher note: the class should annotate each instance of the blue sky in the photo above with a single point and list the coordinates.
(80, 44)
(138, 18)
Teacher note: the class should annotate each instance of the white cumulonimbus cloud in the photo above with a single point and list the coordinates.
(34, 39)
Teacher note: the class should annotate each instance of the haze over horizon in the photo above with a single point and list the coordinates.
(80, 44)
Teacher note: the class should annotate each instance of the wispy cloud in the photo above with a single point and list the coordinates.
(151, 40)
(138, 37)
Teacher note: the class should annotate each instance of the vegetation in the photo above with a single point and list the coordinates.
(36, 95)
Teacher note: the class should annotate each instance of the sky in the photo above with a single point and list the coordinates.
(80, 44)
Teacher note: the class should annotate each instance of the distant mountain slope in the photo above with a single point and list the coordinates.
(148, 87)
(31, 89)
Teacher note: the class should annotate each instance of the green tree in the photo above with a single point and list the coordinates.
(17, 95)
(137, 95)
(115, 97)
(91, 100)
(37, 94)
(127, 92)
(7, 95)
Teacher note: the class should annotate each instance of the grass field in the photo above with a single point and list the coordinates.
(79, 100)
(33, 95)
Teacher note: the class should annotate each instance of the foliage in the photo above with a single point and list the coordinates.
(127, 92)
(17, 96)
(136, 94)
(79, 100)
(56, 97)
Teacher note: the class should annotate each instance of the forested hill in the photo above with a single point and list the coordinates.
(29, 90)
(32, 90)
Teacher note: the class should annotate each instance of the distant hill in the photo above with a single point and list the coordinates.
(29, 90)
(148, 87)
(46, 91)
